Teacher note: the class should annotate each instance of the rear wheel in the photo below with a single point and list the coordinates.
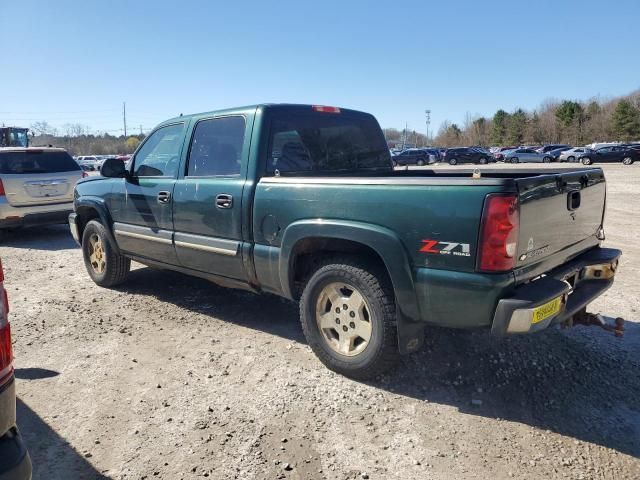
(453, 161)
(627, 161)
(515, 160)
(420, 163)
(571, 159)
(105, 266)
(347, 313)
(585, 160)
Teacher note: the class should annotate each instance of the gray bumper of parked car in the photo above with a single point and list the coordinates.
(33, 215)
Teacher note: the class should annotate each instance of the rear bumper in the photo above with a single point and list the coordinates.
(575, 284)
(15, 463)
(33, 215)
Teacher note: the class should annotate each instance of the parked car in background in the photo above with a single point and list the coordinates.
(455, 156)
(610, 154)
(572, 154)
(500, 153)
(411, 156)
(527, 155)
(36, 186)
(555, 154)
(433, 151)
(90, 161)
(15, 463)
(552, 146)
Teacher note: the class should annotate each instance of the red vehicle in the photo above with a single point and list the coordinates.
(15, 463)
(499, 155)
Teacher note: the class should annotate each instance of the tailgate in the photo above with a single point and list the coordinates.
(558, 211)
(38, 189)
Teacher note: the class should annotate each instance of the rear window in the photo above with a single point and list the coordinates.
(36, 161)
(326, 142)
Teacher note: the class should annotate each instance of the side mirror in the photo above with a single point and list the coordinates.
(113, 168)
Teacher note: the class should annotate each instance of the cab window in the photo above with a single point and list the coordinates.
(159, 156)
(216, 147)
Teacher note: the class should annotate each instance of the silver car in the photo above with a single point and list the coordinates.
(36, 186)
(572, 154)
(527, 155)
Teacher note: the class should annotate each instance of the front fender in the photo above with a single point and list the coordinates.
(390, 249)
(97, 204)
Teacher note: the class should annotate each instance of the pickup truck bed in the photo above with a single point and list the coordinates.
(302, 202)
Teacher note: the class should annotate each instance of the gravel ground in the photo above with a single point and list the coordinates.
(172, 377)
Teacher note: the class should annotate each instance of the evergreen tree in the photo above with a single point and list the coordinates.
(626, 121)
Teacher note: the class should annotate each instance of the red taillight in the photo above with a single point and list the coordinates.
(499, 233)
(325, 109)
(2, 194)
(6, 352)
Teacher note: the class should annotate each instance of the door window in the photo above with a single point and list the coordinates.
(159, 156)
(216, 147)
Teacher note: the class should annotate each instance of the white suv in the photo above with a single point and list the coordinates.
(36, 186)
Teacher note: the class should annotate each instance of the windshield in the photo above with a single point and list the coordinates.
(323, 143)
(36, 161)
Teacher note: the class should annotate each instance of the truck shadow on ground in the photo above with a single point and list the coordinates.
(580, 382)
(47, 448)
(54, 237)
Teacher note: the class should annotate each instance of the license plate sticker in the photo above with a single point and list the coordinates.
(547, 310)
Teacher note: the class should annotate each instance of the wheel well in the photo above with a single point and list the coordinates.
(310, 253)
(85, 214)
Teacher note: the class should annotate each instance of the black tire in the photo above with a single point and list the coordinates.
(586, 160)
(381, 353)
(484, 161)
(395, 164)
(116, 266)
(627, 161)
(515, 160)
(453, 161)
(546, 160)
(571, 159)
(420, 163)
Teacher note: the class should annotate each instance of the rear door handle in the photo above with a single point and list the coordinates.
(164, 196)
(224, 200)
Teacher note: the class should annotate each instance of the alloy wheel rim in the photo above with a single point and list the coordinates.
(97, 256)
(344, 319)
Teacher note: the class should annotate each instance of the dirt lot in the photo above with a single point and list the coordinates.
(172, 377)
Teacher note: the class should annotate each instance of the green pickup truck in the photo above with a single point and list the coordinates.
(302, 201)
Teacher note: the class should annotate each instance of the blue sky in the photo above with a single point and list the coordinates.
(77, 61)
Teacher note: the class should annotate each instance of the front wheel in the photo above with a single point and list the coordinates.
(105, 266)
(347, 313)
(585, 160)
(453, 161)
(546, 159)
(515, 160)
(420, 163)
(571, 159)
(483, 161)
(627, 161)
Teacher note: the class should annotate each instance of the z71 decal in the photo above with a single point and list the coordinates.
(446, 248)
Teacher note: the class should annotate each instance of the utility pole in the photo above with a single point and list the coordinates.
(141, 129)
(428, 114)
(124, 117)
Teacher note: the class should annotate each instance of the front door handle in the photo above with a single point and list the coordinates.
(164, 196)
(224, 200)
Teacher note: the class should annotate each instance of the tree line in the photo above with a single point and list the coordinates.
(77, 139)
(567, 121)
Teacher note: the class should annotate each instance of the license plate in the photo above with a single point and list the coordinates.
(547, 310)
